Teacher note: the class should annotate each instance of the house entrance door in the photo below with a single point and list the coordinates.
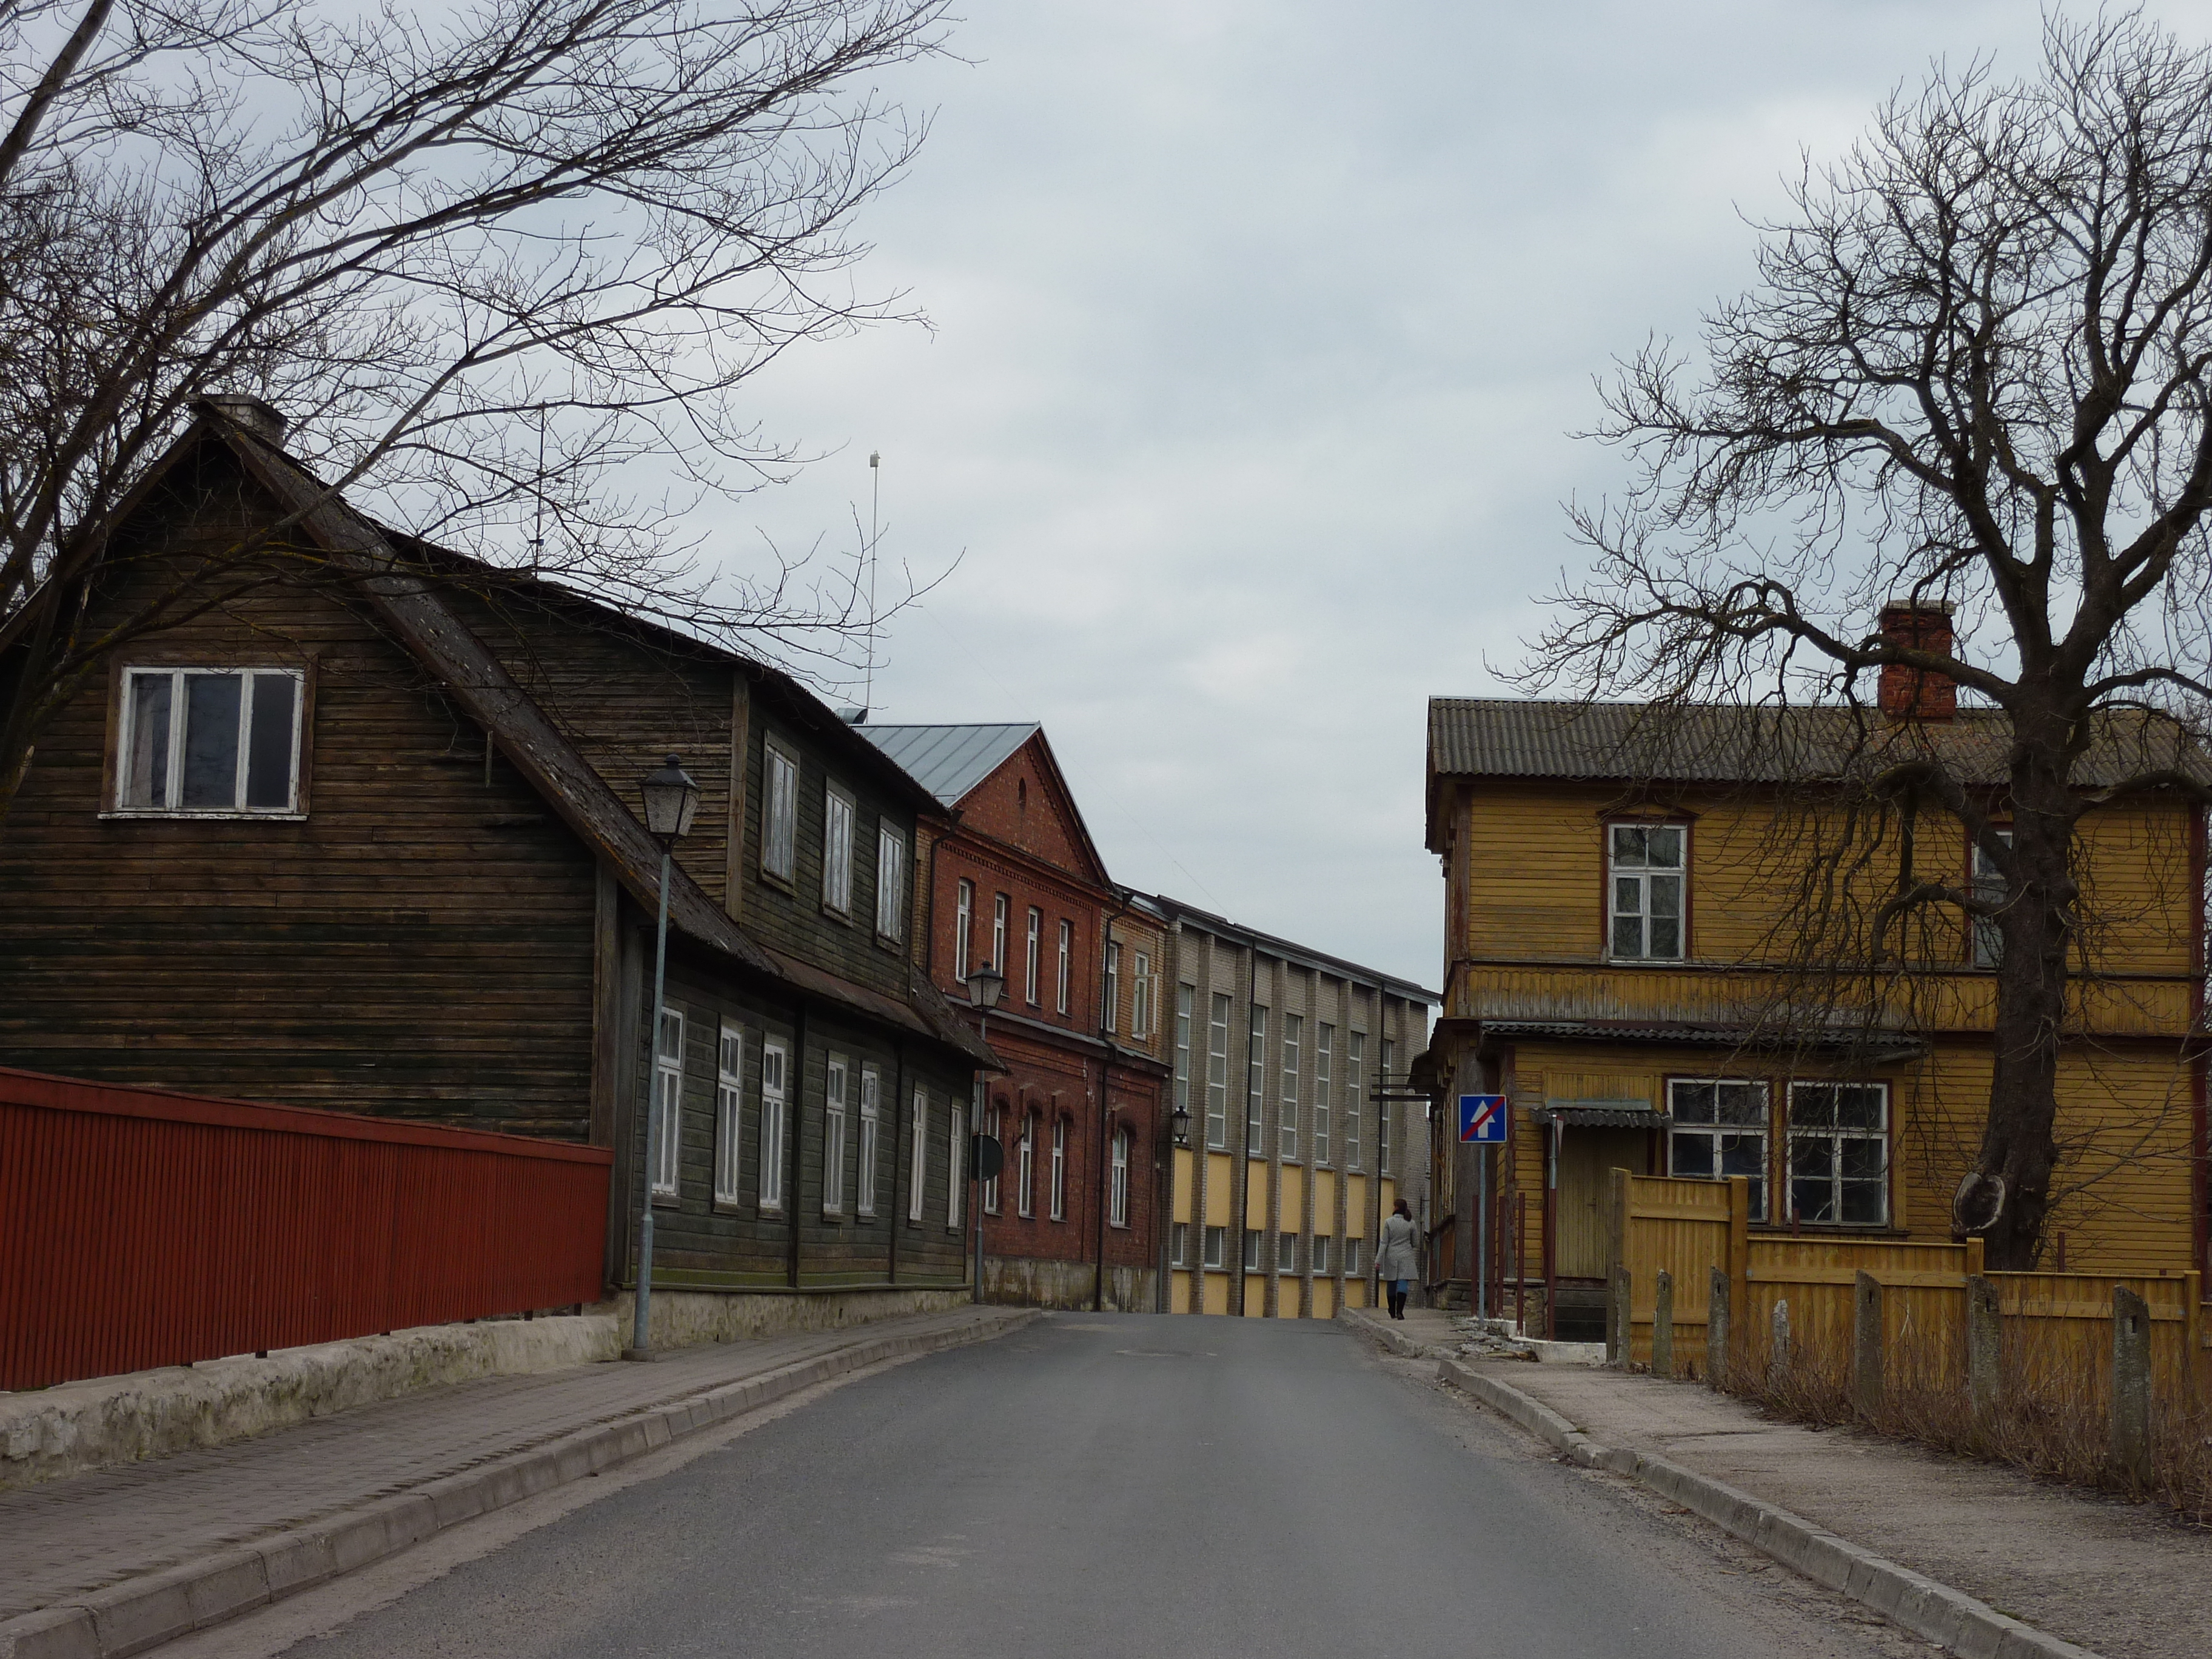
(1588, 1158)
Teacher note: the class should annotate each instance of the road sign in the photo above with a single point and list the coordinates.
(986, 1156)
(1483, 1119)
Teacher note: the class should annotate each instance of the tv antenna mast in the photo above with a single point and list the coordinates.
(875, 500)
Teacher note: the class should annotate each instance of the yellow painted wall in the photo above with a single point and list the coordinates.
(1325, 1202)
(1292, 1217)
(1220, 1190)
(1256, 1194)
(1355, 1292)
(1179, 1292)
(1255, 1297)
(1324, 1298)
(1355, 1206)
(1185, 1183)
(1216, 1292)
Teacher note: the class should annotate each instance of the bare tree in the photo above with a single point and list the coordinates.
(1973, 372)
(507, 266)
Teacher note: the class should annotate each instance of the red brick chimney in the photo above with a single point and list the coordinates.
(1909, 693)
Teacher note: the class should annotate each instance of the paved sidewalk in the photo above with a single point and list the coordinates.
(2116, 1578)
(66, 1539)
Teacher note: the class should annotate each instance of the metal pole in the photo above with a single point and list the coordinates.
(639, 1340)
(975, 1155)
(1482, 1232)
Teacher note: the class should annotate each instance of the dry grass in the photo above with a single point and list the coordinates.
(2053, 1427)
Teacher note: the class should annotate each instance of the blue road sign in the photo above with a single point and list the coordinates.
(1483, 1119)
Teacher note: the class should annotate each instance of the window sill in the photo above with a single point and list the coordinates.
(786, 884)
(225, 816)
(1830, 1229)
(843, 918)
(667, 1201)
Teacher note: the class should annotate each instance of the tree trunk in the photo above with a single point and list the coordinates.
(2037, 929)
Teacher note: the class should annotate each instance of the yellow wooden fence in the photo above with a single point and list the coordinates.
(2057, 1326)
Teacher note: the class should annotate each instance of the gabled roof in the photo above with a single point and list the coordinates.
(1174, 910)
(428, 629)
(948, 761)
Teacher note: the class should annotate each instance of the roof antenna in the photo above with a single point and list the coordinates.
(875, 498)
(537, 529)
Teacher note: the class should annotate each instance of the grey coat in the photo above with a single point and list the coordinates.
(1398, 1258)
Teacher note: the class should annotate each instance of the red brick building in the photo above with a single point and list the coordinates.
(1017, 884)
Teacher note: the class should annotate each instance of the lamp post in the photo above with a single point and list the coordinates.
(670, 799)
(1181, 1119)
(985, 987)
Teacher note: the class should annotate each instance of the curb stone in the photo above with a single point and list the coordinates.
(1951, 1618)
(1400, 1343)
(142, 1613)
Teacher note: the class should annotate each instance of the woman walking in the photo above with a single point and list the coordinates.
(1397, 1263)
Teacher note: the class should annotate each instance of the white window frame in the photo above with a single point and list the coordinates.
(1256, 1085)
(1001, 907)
(1286, 1102)
(988, 1120)
(1321, 1256)
(1354, 1249)
(779, 836)
(1287, 1255)
(1217, 1071)
(835, 1084)
(776, 1088)
(1066, 960)
(1324, 1063)
(1708, 1135)
(891, 884)
(1214, 1241)
(1988, 882)
(667, 1143)
(864, 1183)
(1058, 1195)
(918, 1177)
(1644, 897)
(838, 814)
(956, 1168)
(1179, 1244)
(1355, 1095)
(1036, 948)
(1252, 1238)
(1383, 1108)
(172, 755)
(1025, 1180)
(1112, 985)
(729, 1113)
(963, 928)
(1831, 1138)
(1117, 1207)
(1186, 1005)
(1140, 999)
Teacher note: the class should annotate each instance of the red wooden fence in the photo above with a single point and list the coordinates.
(140, 1227)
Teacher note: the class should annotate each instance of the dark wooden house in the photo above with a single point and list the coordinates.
(364, 835)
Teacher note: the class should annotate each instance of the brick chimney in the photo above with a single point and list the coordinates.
(1908, 694)
(256, 416)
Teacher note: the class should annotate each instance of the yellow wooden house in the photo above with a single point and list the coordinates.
(1625, 961)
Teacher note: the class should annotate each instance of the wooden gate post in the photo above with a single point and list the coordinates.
(1778, 1345)
(1662, 1325)
(1985, 1353)
(1718, 1289)
(1866, 1345)
(2130, 1420)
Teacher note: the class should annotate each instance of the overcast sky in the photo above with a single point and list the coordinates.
(1258, 330)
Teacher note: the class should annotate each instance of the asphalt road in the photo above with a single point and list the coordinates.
(1115, 1486)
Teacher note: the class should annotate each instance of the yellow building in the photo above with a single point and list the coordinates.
(1292, 1066)
(1625, 964)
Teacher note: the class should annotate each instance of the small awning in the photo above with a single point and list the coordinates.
(1624, 1115)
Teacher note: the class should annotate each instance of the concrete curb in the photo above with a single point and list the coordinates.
(1400, 1343)
(1951, 1618)
(142, 1613)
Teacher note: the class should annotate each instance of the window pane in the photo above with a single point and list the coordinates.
(269, 760)
(146, 782)
(1743, 1154)
(1742, 1102)
(1663, 848)
(1628, 895)
(1628, 846)
(1863, 1202)
(1694, 1157)
(1811, 1156)
(1627, 936)
(1692, 1103)
(211, 708)
(1666, 895)
(1810, 1201)
(1859, 1109)
(1860, 1159)
(1813, 1105)
(1666, 937)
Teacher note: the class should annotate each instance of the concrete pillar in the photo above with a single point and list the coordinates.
(1720, 1288)
(2130, 1424)
(1777, 1344)
(1985, 1353)
(1617, 1329)
(1866, 1345)
(1662, 1325)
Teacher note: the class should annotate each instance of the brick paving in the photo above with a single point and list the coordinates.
(68, 1538)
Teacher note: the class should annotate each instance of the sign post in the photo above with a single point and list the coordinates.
(1484, 1121)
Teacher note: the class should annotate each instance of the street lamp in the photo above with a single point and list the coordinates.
(1181, 1119)
(985, 987)
(670, 800)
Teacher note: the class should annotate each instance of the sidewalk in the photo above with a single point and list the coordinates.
(111, 1562)
(2114, 1578)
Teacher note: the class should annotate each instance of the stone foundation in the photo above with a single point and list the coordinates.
(1039, 1282)
(684, 1319)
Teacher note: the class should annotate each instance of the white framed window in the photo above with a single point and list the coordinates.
(1286, 1113)
(1067, 961)
(1253, 1240)
(1988, 885)
(1255, 1085)
(1286, 1253)
(779, 811)
(1112, 985)
(668, 1105)
(833, 1137)
(729, 1112)
(1355, 1257)
(1355, 1094)
(1179, 1244)
(918, 1177)
(890, 883)
(1140, 999)
(1645, 870)
(956, 1168)
(1117, 1188)
(1719, 1130)
(1324, 1059)
(864, 1185)
(1320, 1257)
(1217, 1075)
(1385, 1107)
(998, 906)
(1036, 948)
(1186, 1005)
(771, 1131)
(220, 741)
(836, 850)
(986, 1119)
(963, 928)
(1216, 1242)
(1025, 1176)
(1839, 1153)
(1059, 1168)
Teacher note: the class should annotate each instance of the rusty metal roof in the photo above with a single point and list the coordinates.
(1715, 743)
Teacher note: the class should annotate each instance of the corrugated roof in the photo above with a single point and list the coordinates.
(1620, 742)
(948, 761)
